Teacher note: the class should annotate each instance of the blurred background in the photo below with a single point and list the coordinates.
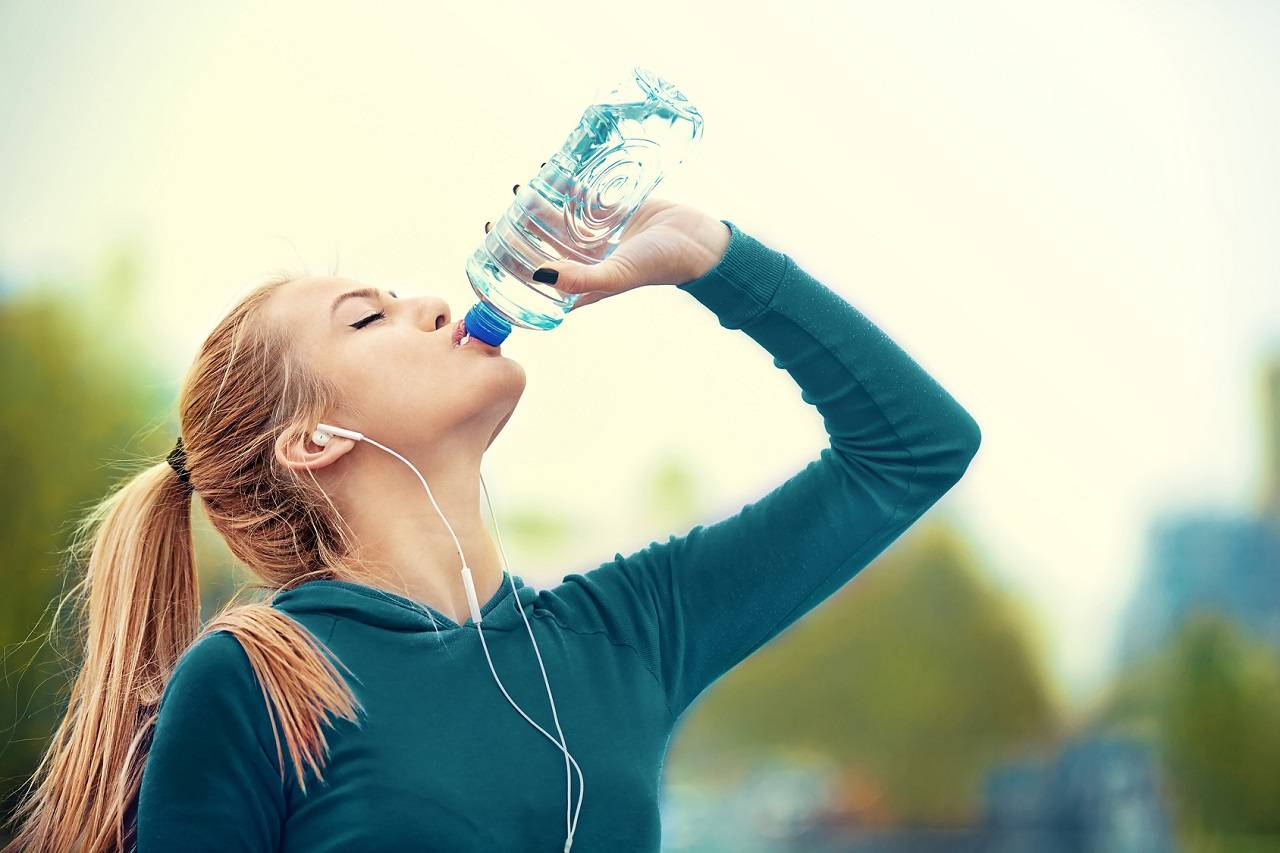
(1065, 211)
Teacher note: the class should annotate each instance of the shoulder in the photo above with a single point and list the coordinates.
(220, 660)
(214, 698)
(213, 686)
(215, 661)
(212, 777)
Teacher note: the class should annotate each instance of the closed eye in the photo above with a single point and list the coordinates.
(360, 324)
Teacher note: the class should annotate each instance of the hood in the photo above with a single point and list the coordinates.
(384, 609)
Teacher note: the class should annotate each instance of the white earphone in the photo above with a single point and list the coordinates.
(321, 436)
(324, 432)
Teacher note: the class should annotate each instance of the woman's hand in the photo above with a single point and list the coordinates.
(663, 243)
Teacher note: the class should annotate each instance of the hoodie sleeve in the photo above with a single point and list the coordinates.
(212, 780)
(696, 605)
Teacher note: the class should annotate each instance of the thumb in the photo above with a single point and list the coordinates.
(573, 277)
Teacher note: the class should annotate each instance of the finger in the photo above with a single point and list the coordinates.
(612, 274)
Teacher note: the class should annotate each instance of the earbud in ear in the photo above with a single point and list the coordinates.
(324, 432)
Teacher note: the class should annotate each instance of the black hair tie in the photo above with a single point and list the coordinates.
(178, 461)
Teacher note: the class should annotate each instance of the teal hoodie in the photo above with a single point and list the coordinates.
(440, 760)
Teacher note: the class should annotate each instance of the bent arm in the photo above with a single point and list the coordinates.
(696, 605)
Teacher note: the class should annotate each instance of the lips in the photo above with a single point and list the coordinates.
(460, 332)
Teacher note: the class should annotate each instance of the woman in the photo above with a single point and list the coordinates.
(356, 709)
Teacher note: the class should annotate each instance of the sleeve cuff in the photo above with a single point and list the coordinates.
(740, 287)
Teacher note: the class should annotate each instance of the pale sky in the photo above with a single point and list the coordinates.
(1065, 211)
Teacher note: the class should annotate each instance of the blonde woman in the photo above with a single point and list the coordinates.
(355, 708)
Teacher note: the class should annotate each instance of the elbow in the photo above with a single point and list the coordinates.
(948, 455)
(972, 437)
(965, 444)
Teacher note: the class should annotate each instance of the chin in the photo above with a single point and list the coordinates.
(518, 379)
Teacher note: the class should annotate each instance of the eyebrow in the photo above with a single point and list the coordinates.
(360, 293)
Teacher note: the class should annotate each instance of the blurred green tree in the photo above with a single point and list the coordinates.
(1210, 701)
(80, 387)
(915, 678)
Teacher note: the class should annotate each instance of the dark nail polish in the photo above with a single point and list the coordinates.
(543, 164)
(514, 188)
(545, 275)
(486, 227)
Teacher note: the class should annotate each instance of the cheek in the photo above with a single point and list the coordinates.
(407, 355)
(436, 385)
(415, 402)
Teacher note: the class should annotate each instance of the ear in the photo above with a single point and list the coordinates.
(300, 453)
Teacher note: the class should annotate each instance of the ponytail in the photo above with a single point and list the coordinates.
(139, 608)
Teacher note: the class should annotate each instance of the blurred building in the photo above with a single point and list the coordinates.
(1216, 560)
(1205, 561)
(1099, 794)
(763, 811)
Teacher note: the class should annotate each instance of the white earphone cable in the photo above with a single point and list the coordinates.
(571, 822)
(582, 786)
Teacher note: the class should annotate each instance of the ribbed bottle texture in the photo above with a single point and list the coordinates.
(577, 205)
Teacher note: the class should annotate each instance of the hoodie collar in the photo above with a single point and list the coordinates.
(385, 609)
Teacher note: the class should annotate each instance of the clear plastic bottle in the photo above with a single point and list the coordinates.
(577, 205)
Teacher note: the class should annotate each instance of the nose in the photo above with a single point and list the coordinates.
(435, 312)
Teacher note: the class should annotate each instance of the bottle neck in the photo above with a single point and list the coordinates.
(485, 324)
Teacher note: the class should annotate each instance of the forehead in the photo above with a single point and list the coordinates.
(316, 290)
(306, 300)
(300, 307)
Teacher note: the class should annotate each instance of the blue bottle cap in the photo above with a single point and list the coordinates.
(485, 324)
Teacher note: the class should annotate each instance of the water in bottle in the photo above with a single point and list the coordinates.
(578, 203)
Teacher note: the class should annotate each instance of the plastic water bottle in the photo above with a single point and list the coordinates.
(577, 205)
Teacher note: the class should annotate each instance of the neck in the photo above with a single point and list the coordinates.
(401, 536)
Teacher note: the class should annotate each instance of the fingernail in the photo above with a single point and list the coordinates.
(546, 275)
(486, 227)
(544, 162)
(514, 188)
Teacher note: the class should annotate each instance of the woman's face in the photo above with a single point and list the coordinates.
(394, 359)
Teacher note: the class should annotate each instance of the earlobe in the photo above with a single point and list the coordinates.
(299, 452)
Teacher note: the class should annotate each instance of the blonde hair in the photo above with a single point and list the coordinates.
(139, 601)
